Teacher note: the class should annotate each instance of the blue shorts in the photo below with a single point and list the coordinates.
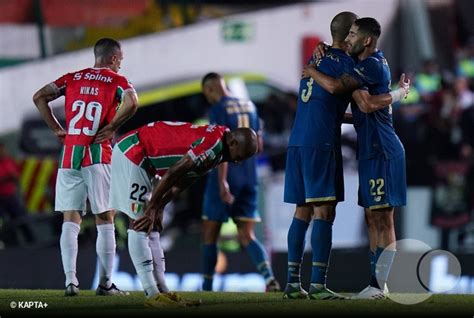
(244, 207)
(313, 176)
(382, 182)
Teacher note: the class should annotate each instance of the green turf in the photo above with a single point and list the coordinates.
(219, 304)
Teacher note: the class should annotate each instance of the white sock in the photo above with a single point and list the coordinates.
(142, 259)
(68, 243)
(158, 261)
(105, 248)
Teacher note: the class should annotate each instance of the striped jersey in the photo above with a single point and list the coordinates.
(157, 146)
(93, 96)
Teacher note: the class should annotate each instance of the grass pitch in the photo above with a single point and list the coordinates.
(219, 304)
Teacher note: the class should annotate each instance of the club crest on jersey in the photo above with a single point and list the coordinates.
(137, 207)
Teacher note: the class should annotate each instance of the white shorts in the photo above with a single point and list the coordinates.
(73, 187)
(130, 187)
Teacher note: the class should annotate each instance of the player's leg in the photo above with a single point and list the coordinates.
(372, 235)
(210, 233)
(321, 242)
(69, 248)
(385, 252)
(71, 200)
(257, 252)
(295, 193)
(97, 180)
(159, 264)
(296, 243)
(245, 214)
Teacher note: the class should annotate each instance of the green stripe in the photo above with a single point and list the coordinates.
(61, 157)
(95, 150)
(165, 161)
(77, 156)
(197, 142)
(126, 143)
(217, 148)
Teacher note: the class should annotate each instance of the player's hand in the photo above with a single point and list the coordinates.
(405, 85)
(60, 134)
(144, 224)
(224, 193)
(320, 50)
(307, 69)
(104, 134)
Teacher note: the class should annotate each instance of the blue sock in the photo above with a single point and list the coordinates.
(373, 261)
(209, 260)
(260, 259)
(321, 241)
(383, 265)
(296, 242)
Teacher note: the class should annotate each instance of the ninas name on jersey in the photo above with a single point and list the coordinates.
(93, 77)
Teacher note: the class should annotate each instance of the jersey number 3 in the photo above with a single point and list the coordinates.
(306, 93)
(91, 112)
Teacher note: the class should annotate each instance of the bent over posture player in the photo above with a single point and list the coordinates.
(178, 152)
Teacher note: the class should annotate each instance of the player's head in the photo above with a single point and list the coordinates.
(242, 144)
(108, 53)
(364, 33)
(213, 87)
(341, 24)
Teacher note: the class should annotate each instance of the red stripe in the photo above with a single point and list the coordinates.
(87, 161)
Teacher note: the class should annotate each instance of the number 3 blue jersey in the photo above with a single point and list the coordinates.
(319, 114)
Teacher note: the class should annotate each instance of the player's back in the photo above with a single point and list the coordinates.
(92, 97)
(163, 143)
(375, 131)
(235, 113)
(319, 114)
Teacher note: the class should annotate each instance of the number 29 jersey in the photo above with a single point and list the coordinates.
(93, 96)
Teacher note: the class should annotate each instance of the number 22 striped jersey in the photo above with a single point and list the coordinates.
(93, 96)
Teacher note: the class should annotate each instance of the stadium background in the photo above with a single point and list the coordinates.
(261, 47)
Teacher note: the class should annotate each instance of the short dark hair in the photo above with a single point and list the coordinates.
(341, 24)
(210, 76)
(106, 47)
(369, 26)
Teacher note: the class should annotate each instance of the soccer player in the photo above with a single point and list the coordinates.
(178, 152)
(98, 101)
(313, 174)
(382, 177)
(231, 189)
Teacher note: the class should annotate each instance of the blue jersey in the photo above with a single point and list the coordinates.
(319, 114)
(234, 113)
(375, 132)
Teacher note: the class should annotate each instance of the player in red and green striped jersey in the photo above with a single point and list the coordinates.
(97, 102)
(178, 152)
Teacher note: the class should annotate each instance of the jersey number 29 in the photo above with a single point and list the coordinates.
(91, 112)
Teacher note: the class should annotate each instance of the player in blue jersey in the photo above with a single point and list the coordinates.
(231, 189)
(313, 174)
(382, 178)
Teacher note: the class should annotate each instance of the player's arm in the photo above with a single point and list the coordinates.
(343, 84)
(170, 195)
(169, 179)
(127, 109)
(369, 103)
(224, 189)
(41, 99)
